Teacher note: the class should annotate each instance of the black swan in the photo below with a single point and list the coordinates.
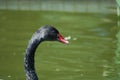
(45, 33)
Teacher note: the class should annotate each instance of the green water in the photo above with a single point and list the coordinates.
(89, 56)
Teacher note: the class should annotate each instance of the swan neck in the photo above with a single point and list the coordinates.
(29, 59)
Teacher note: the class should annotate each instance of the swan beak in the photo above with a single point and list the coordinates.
(61, 39)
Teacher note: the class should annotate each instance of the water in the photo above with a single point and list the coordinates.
(89, 56)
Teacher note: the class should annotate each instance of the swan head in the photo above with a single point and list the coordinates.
(49, 33)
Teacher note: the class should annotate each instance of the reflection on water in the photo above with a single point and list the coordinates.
(89, 56)
(117, 52)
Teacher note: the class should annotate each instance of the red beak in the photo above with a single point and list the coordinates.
(61, 39)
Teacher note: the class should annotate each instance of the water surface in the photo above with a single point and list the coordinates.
(89, 56)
